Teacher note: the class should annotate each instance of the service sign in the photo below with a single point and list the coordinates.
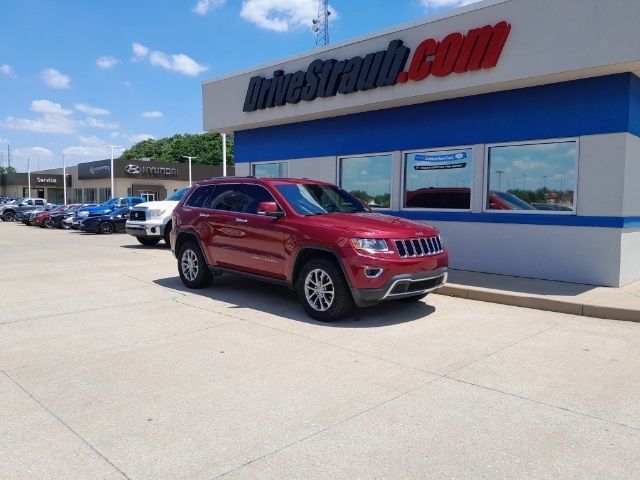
(456, 53)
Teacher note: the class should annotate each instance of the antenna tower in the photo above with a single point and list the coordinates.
(321, 23)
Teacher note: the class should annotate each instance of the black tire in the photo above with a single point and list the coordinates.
(107, 228)
(48, 223)
(415, 298)
(319, 305)
(167, 232)
(8, 216)
(148, 241)
(192, 266)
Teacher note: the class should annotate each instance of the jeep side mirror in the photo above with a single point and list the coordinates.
(270, 209)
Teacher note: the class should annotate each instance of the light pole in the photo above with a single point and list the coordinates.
(64, 180)
(112, 182)
(190, 158)
(224, 154)
(29, 177)
(499, 173)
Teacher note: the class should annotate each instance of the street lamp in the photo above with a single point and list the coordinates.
(112, 182)
(499, 173)
(64, 179)
(224, 154)
(190, 158)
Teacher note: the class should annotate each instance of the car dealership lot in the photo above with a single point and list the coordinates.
(111, 369)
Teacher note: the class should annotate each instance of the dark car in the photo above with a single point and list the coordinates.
(55, 218)
(115, 222)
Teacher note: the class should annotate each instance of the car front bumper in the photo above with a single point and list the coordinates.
(401, 286)
(145, 229)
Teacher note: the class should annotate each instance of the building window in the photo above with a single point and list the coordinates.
(368, 178)
(77, 195)
(89, 195)
(438, 179)
(270, 170)
(532, 178)
(104, 194)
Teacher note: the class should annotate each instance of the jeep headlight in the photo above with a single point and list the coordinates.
(370, 244)
(157, 212)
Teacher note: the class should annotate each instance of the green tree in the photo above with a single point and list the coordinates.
(206, 146)
(9, 170)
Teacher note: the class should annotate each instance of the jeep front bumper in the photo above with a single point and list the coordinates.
(402, 285)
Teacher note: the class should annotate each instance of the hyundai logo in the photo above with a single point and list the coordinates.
(132, 169)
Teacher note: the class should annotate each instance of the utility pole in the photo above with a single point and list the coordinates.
(321, 23)
(64, 179)
(190, 158)
(500, 173)
(29, 177)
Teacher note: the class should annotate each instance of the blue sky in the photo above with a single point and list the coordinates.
(76, 75)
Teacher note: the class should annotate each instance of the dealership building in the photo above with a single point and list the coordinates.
(511, 125)
(90, 182)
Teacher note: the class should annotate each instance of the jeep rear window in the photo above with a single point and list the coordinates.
(311, 199)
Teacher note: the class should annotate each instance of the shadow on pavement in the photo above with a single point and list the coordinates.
(138, 246)
(241, 292)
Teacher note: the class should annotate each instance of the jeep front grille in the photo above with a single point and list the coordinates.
(419, 247)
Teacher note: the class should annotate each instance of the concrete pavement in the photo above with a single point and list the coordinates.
(111, 369)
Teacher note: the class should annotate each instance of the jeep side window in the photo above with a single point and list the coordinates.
(252, 196)
(226, 197)
(200, 197)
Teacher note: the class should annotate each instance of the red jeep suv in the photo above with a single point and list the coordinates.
(311, 236)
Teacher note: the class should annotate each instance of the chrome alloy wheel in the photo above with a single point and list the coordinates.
(189, 265)
(319, 290)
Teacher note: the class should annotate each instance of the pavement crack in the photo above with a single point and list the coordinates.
(61, 421)
(322, 430)
(539, 402)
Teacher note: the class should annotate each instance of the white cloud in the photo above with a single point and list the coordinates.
(49, 107)
(97, 123)
(138, 137)
(52, 119)
(281, 15)
(87, 152)
(114, 134)
(89, 110)
(139, 50)
(105, 63)
(205, 6)
(4, 140)
(440, 4)
(526, 164)
(91, 141)
(55, 79)
(6, 69)
(180, 62)
(152, 114)
(33, 152)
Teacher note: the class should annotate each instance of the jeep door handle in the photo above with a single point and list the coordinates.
(241, 220)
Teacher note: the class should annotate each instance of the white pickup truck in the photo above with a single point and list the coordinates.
(150, 222)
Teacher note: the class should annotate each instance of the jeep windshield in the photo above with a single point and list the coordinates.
(313, 199)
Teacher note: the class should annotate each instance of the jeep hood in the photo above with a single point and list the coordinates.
(372, 225)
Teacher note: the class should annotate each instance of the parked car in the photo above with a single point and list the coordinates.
(109, 206)
(150, 222)
(106, 224)
(311, 236)
(42, 218)
(64, 219)
(9, 211)
(28, 216)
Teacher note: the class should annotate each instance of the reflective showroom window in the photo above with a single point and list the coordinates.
(532, 178)
(368, 178)
(439, 179)
(270, 170)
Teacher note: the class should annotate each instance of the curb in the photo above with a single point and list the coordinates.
(539, 303)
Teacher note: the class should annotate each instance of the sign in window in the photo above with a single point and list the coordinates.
(368, 178)
(439, 179)
(534, 178)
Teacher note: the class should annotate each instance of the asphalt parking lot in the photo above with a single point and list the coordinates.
(111, 369)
